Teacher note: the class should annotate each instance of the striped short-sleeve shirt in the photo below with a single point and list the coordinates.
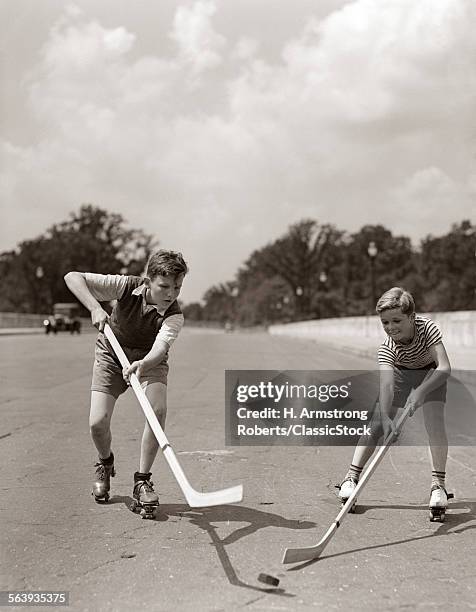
(416, 354)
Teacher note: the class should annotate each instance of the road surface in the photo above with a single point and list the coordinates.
(388, 556)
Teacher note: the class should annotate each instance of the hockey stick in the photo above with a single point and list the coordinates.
(195, 499)
(295, 555)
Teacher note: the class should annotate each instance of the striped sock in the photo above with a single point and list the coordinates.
(354, 472)
(438, 479)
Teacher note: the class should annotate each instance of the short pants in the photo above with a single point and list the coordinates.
(107, 370)
(406, 379)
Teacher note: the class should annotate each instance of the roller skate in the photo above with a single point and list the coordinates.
(345, 490)
(438, 503)
(102, 485)
(146, 500)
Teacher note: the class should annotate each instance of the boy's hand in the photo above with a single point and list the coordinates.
(134, 368)
(99, 318)
(415, 400)
(388, 426)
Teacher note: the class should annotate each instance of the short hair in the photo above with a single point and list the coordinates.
(396, 297)
(165, 263)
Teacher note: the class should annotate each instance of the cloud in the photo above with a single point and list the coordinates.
(199, 45)
(362, 118)
(425, 197)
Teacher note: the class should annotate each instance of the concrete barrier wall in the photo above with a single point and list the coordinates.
(458, 328)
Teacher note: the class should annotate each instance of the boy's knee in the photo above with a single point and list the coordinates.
(160, 412)
(99, 427)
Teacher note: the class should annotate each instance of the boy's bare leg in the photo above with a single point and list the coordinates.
(156, 393)
(145, 498)
(434, 417)
(362, 453)
(102, 407)
(367, 444)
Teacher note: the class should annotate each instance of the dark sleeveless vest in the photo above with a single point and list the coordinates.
(134, 323)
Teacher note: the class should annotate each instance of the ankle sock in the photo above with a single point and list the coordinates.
(109, 460)
(142, 476)
(354, 472)
(438, 479)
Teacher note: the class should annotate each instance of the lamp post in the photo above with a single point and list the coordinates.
(299, 294)
(322, 284)
(234, 307)
(39, 273)
(372, 252)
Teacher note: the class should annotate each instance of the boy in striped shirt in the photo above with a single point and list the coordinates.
(413, 366)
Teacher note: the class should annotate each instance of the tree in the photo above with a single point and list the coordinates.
(91, 240)
(219, 303)
(317, 271)
(193, 312)
(368, 273)
(298, 258)
(448, 267)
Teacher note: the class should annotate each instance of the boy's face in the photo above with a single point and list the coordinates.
(397, 325)
(163, 290)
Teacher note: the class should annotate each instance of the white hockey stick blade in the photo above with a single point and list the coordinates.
(195, 499)
(308, 553)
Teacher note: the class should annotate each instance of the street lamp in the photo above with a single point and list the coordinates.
(234, 293)
(372, 252)
(299, 307)
(39, 273)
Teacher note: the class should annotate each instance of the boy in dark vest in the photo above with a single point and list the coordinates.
(146, 320)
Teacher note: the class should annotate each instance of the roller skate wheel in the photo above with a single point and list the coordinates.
(149, 512)
(133, 506)
(437, 516)
(101, 500)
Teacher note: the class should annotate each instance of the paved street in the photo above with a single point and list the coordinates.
(388, 556)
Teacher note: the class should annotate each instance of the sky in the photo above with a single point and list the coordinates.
(216, 124)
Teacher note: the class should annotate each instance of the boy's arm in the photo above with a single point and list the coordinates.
(76, 283)
(386, 395)
(166, 336)
(155, 355)
(386, 388)
(437, 376)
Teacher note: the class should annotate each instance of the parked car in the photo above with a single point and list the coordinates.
(65, 317)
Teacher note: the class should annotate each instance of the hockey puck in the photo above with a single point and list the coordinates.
(267, 579)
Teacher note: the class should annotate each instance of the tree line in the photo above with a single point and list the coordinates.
(91, 240)
(312, 271)
(318, 271)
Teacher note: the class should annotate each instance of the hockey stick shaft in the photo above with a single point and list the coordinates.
(195, 499)
(295, 555)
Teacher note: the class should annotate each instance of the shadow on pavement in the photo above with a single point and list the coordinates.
(454, 524)
(256, 520)
(204, 519)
